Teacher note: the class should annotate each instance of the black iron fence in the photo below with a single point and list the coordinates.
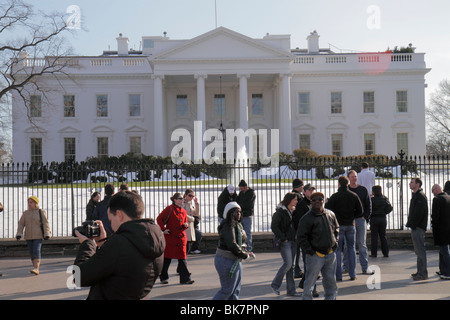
(64, 189)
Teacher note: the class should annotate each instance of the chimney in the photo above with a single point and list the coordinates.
(313, 42)
(122, 45)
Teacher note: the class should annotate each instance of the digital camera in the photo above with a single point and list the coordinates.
(90, 229)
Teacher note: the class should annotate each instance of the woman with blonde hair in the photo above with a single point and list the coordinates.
(34, 221)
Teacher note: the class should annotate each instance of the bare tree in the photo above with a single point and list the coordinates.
(32, 45)
(438, 120)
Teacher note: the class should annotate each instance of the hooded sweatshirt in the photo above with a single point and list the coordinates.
(126, 266)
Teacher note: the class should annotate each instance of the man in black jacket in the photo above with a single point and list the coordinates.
(440, 223)
(126, 265)
(246, 200)
(317, 234)
(417, 221)
(346, 206)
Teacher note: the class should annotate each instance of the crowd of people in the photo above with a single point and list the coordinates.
(317, 237)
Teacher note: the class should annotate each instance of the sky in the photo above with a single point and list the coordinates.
(343, 25)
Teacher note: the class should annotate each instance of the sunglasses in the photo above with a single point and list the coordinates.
(190, 195)
(178, 198)
(316, 199)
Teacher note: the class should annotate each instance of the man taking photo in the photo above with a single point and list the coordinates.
(126, 265)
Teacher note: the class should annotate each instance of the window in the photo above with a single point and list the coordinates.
(257, 104)
(336, 144)
(402, 142)
(305, 141)
(36, 149)
(219, 104)
(35, 106)
(369, 144)
(135, 145)
(402, 101)
(182, 104)
(369, 102)
(69, 106)
(102, 147)
(336, 102)
(303, 103)
(69, 149)
(102, 105)
(134, 103)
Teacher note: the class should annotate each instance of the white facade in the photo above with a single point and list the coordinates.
(133, 101)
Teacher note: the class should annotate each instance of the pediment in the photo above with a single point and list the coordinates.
(337, 126)
(304, 127)
(69, 129)
(369, 126)
(102, 129)
(223, 44)
(135, 129)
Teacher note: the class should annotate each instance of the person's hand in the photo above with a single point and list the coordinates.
(167, 231)
(102, 231)
(18, 238)
(81, 238)
(46, 237)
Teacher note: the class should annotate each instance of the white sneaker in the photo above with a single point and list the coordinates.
(196, 251)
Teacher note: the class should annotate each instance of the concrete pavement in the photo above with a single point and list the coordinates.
(393, 278)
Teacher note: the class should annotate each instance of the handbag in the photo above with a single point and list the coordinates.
(42, 224)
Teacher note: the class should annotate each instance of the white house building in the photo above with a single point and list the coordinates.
(132, 101)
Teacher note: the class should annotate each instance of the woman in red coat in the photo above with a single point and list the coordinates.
(173, 222)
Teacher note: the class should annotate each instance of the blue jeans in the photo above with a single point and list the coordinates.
(347, 238)
(326, 266)
(287, 250)
(247, 224)
(229, 287)
(34, 247)
(418, 240)
(444, 260)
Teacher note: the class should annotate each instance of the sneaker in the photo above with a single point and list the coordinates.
(315, 294)
(276, 291)
(196, 251)
(188, 282)
(295, 294)
(419, 278)
(251, 256)
(368, 271)
(164, 281)
(444, 277)
(353, 278)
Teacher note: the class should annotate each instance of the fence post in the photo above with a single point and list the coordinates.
(401, 154)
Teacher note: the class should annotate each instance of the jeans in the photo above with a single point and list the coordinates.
(378, 229)
(229, 286)
(247, 224)
(326, 266)
(287, 250)
(418, 239)
(444, 260)
(361, 233)
(34, 247)
(347, 237)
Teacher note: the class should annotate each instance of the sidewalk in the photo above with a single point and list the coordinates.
(394, 278)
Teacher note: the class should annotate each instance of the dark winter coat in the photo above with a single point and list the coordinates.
(246, 201)
(282, 224)
(222, 201)
(418, 211)
(318, 231)
(127, 264)
(345, 205)
(381, 206)
(440, 219)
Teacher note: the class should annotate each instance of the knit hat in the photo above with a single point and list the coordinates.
(34, 198)
(296, 183)
(230, 188)
(229, 206)
(242, 183)
(308, 186)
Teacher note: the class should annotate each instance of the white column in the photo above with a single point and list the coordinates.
(285, 114)
(243, 101)
(159, 134)
(199, 144)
